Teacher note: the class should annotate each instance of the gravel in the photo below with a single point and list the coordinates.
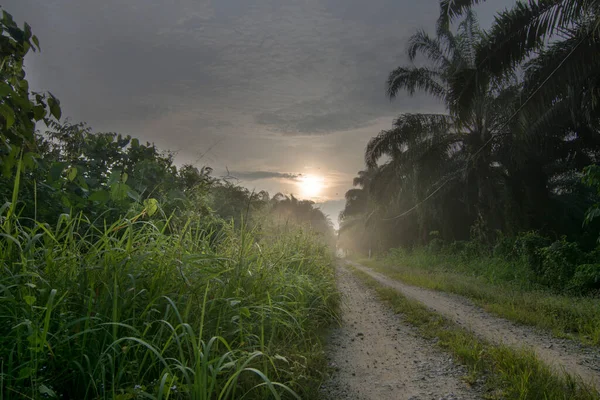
(375, 355)
(563, 355)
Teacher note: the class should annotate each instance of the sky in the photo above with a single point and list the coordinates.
(272, 92)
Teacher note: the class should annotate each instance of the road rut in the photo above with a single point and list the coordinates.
(377, 356)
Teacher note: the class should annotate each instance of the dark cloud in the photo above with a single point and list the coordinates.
(313, 124)
(256, 175)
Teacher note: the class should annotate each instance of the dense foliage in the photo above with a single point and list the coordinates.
(125, 276)
(518, 149)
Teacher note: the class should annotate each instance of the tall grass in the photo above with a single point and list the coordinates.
(151, 309)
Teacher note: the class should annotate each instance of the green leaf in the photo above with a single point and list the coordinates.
(45, 390)
(8, 114)
(29, 160)
(56, 171)
(5, 89)
(114, 177)
(36, 41)
(24, 85)
(124, 177)
(10, 160)
(30, 300)
(135, 196)
(65, 201)
(151, 206)
(281, 358)
(118, 191)
(135, 143)
(54, 105)
(25, 372)
(72, 173)
(39, 113)
(101, 196)
(27, 31)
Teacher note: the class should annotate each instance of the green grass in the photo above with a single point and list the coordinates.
(509, 373)
(146, 308)
(500, 287)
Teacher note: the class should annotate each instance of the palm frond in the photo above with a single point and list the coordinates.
(469, 35)
(430, 47)
(518, 32)
(565, 64)
(450, 9)
(407, 131)
(466, 85)
(413, 79)
(364, 178)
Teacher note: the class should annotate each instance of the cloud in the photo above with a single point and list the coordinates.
(257, 175)
(259, 86)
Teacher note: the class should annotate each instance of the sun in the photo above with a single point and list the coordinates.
(311, 185)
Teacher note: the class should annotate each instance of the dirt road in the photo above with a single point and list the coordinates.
(562, 354)
(378, 357)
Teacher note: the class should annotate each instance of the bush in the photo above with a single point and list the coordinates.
(586, 278)
(505, 248)
(436, 246)
(558, 263)
(527, 246)
(456, 248)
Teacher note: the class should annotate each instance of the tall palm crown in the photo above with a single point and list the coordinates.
(562, 37)
(426, 150)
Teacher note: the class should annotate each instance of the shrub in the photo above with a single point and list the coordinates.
(527, 246)
(558, 263)
(457, 247)
(586, 278)
(436, 246)
(504, 247)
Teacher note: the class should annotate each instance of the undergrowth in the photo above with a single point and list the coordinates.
(146, 308)
(499, 286)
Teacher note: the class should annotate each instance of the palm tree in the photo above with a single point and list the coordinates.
(424, 148)
(357, 199)
(361, 224)
(556, 43)
(290, 209)
(560, 35)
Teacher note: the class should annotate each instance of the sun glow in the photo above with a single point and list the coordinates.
(311, 185)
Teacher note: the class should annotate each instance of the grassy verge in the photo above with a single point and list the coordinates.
(509, 373)
(146, 308)
(496, 286)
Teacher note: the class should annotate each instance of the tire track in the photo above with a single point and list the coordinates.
(561, 354)
(377, 356)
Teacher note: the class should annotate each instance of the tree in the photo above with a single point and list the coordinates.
(560, 37)
(424, 148)
(480, 168)
(19, 109)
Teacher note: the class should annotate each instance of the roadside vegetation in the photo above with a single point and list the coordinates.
(497, 198)
(530, 285)
(507, 373)
(125, 276)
